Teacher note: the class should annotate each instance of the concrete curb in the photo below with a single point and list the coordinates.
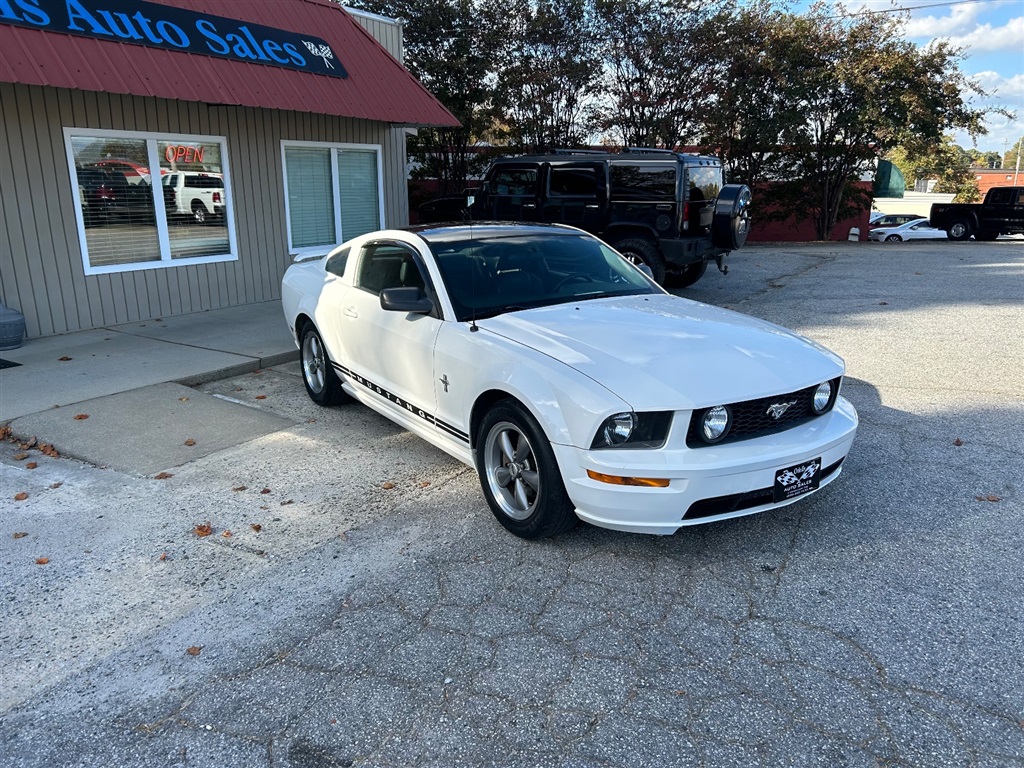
(239, 368)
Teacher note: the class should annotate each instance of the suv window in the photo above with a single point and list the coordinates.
(574, 182)
(705, 182)
(515, 181)
(652, 182)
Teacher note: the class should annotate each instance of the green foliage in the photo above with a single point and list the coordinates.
(812, 98)
(943, 161)
(1013, 153)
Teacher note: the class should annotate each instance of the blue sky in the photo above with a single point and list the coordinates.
(993, 33)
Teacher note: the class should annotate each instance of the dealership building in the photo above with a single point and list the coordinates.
(165, 158)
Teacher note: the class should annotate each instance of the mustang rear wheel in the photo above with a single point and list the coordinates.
(322, 384)
(519, 474)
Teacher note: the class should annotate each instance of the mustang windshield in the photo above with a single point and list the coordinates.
(497, 272)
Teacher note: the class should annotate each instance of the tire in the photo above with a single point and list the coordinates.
(894, 239)
(687, 276)
(986, 236)
(731, 223)
(322, 383)
(639, 250)
(524, 490)
(199, 212)
(959, 230)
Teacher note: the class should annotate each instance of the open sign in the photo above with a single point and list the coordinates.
(178, 153)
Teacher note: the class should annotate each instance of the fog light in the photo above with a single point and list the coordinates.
(822, 397)
(715, 423)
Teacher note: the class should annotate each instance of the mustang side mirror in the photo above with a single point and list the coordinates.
(406, 299)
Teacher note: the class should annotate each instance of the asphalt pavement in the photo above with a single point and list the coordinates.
(353, 602)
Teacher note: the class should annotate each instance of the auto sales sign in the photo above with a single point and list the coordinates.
(176, 29)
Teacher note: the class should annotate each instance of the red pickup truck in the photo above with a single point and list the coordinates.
(1002, 213)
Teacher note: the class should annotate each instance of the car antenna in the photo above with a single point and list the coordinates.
(470, 199)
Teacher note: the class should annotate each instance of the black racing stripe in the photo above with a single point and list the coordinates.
(393, 398)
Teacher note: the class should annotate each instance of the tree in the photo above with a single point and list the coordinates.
(449, 47)
(547, 72)
(946, 163)
(981, 159)
(1013, 154)
(659, 70)
(862, 89)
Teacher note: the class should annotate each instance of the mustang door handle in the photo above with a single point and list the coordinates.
(350, 312)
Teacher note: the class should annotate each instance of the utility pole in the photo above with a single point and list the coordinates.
(1017, 169)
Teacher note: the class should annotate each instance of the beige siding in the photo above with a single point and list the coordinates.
(387, 32)
(41, 271)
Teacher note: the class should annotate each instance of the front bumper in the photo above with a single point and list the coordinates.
(732, 477)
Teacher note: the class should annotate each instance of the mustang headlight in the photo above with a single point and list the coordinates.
(825, 396)
(633, 430)
(715, 424)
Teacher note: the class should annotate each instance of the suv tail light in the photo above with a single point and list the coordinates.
(685, 209)
(216, 197)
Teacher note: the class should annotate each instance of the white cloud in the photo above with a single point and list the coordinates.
(986, 38)
(962, 20)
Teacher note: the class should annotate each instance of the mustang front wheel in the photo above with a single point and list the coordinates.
(318, 375)
(519, 474)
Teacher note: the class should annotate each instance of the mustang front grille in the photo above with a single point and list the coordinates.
(763, 416)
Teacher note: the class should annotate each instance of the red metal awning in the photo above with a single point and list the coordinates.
(378, 87)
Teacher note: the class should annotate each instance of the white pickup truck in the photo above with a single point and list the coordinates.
(195, 194)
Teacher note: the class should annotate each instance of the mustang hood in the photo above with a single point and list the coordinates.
(662, 352)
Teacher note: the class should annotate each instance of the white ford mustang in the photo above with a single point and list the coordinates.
(572, 383)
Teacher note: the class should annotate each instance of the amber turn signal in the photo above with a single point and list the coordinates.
(647, 482)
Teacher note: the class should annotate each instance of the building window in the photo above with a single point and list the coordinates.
(127, 221)
(332, 193)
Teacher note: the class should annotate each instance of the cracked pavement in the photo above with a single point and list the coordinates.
(381, 617)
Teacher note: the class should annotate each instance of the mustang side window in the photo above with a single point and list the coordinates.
(389, 266)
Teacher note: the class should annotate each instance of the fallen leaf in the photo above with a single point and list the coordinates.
(63, 359)
(190, 442)
(42, 560)
(5, 432)
(265, 490)
(883, 303)
(163, 556)
(31, 465)
(48, 450)
(163, 476)
(194, 650)
(81, 416)
(183, 399)
(261, 397)
(989, 497)
(239, 488)
(287, 501)
(256, 527)
(20, 535)
(20, 456)
(958, 442)
(388, 486)
(238, 389)
(32, 442)
(227, 534)
(21, 496)
(203, 529)
(424, 484)
(55, 486)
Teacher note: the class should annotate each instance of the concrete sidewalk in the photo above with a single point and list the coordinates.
(187, 349)
(125, 383)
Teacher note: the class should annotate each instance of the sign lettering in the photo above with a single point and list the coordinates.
(176, 29)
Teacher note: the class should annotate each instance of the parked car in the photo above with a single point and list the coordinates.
(1001, 213)
(665, 209)
(877, 221)
(569, 379)
(199, 195)
(108, 196)
(916, 229)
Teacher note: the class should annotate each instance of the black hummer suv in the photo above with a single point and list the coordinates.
(665, 209)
